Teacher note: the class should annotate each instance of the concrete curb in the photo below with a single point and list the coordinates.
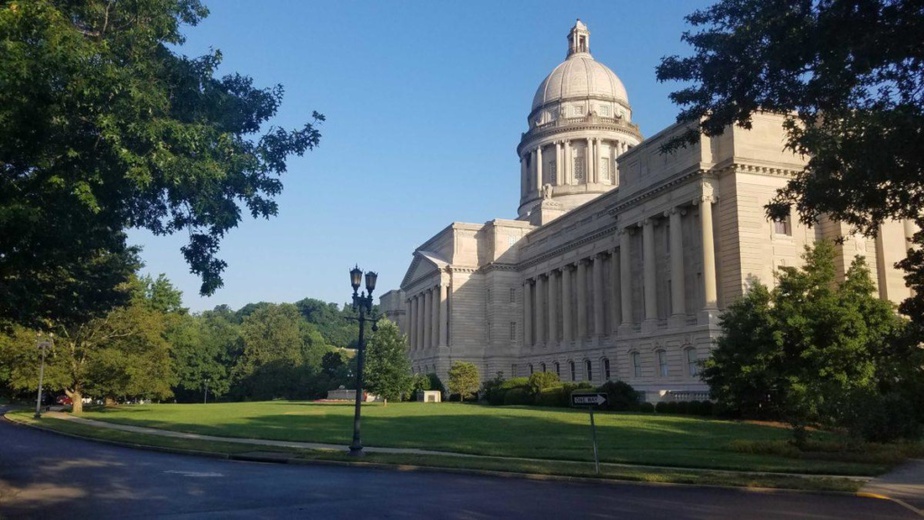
(863, 494)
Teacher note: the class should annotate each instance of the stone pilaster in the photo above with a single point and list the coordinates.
(540, 310)
(582, 300)
(566, 312)
(435, 333)
(678, 307)
(614, 290)
(708, 240)
(552, 314)
(598, 296)
(428, 319)
(527, 314)
(444, 315)
(625, 278)
(649, 263)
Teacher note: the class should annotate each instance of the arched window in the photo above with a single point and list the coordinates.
(692, 362)
(542, 367)
(606, 369)
(573, 374)
(662, 363)
(636, 364)
(589, 370)
(558, 370)
(530, 369)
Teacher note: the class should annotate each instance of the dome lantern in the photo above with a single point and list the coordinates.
(578, 39)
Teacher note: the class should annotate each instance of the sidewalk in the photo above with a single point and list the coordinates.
(904, 485)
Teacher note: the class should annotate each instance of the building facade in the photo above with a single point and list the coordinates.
(621, 257)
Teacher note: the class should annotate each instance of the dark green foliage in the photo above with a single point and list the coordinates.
(661, 407)
(850, 78)
(620, 396)
(436, 383)
(331, 320)
(542, 380)
(646, 407)
(553, 396)
(518, 396)
(464, 379)
(105, 127)
(802, 351)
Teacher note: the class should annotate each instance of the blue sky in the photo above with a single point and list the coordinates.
(425, 103)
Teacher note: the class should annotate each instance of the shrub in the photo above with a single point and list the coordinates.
(542, 380)
(553, 396)
(435, 383)
(882, 418)
(496, 389)
(683, 407)
(518, 396)
(707, 408)
(661, 407)
(646, 407)
(620, 395)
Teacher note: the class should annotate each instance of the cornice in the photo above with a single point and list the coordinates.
(609, 229)
(584, 124)
(657, 190)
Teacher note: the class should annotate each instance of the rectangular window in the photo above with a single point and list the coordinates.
(692, 362)
(605, 169)
(579, 167)
(573, 374)
(513, 331)
(587, 367)
(783, 227)
(606, 369)
(577, 111)
(662, 363)
(513, 370)
(513, 295)
(636, 364)
(605, 110)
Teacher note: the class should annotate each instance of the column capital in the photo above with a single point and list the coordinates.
(675, 210)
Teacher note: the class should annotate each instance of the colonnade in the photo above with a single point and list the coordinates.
(427, 318)
(548, 295)
(563, 171)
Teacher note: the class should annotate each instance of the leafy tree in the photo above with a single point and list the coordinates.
(330, 320)
(464, 379)
(388, 369)
(104, 127)
(804, 350)
(850, 78)
(279, 350)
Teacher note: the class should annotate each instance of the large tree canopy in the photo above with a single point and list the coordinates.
(850, 76)
(104, 127)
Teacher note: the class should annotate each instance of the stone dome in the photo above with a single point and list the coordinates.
(580, 76)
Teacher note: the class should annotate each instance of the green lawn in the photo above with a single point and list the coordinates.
(497, 431)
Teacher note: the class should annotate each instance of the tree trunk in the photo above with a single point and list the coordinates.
(76, 401)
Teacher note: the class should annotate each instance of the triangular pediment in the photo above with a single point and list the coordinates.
(425, 263)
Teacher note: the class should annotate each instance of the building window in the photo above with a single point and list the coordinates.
(551, 172)
(692, 362)
(783, 226)
(513, 331)
(579, 167)
(558, 370)
(662, 363)
(605, 169)
(513, 295)
(489, 295)
(542, 367)
(513, 370)
(573, 373)
(589, 371)
(530, 369)
(577, 111)
(636, 364)
(606, 369)
(605, 110)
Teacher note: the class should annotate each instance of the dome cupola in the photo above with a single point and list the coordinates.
(579, 122)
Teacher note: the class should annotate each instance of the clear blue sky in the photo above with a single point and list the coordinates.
(425, 103)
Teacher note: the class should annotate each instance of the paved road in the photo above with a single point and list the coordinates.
(43, 475)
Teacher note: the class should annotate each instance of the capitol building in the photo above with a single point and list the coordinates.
(621, 258)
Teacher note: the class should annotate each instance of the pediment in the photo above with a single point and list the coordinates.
(425, 263)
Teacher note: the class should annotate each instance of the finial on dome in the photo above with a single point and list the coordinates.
(578, 39)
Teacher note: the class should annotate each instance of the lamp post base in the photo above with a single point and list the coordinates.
(356, 451)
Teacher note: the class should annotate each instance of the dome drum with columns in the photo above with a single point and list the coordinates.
(579, 124)
(621, 258)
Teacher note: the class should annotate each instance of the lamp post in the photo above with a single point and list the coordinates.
(42, 344)
(205, 400)
(363, 304)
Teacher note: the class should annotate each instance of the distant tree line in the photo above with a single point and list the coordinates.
(152, 348)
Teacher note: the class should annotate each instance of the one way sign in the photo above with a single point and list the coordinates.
(588, 399)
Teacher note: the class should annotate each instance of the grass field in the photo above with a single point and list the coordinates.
(495, 431)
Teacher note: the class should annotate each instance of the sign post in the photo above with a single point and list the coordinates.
(590, 400)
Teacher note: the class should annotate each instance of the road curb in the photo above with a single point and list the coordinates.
(864, 494)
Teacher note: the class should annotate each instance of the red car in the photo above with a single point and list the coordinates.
(64, 400)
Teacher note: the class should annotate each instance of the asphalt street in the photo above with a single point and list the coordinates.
(44, 475)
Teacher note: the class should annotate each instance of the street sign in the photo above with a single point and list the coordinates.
(588, 399)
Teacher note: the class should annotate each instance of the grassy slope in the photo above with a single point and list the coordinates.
(497, 431)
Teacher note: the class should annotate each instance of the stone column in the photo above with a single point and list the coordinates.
(558, 161)
(435, 333)
(444, 315)
(568, 176)
(524, 177)
(418, 333)
(597, 146)
(588, 164)
(539, 168)
(705, 217)
(567, 330)
(648, 257)
(427, 318)
(527, 314)
(598, 295)
(552, 311)
(614, 289)
(540, 310)
(910, 229)
(582, 299)
(421, 319)
(625, 277)
(678, 307)
(411, 325)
